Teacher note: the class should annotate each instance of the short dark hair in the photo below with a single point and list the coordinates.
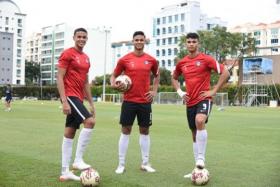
(138, 33)
(192, 35)
(80, 30)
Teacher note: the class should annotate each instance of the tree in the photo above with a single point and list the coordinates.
(32, 72)
(98, 80)
(165, 76)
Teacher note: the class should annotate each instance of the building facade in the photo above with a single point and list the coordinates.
(33, 48)
(12, 31)
(119, 49)
(267, 36)
(59, 37)
(174, 21)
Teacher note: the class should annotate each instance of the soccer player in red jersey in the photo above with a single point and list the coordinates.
(73, 87)
(138, 65)
(196, 69)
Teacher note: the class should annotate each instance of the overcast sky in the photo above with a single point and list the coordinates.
(127, 16)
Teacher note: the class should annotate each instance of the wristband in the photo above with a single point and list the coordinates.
(181, 93)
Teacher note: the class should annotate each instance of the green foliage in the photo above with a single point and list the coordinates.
(32, 73)
(165, 76)
(99, 80)
(32, 132)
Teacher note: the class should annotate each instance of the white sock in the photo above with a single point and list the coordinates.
(144, 141)
(123, 145)
(83, 141)
(201, 141)
(195, 151)
(67, 144)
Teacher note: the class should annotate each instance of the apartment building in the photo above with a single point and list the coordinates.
(267, 36)
(12, 30)
(119, 49)
(174, 21)
(33, 48)
(59, 37)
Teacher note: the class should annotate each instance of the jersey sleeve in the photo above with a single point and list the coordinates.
(119, 68)
(155, 68)
(177, 71)
(64, 60)
(213, 64)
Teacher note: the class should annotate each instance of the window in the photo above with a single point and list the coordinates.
(182, 17)
(169, 40)
(163, 41)
(19, 22)
(274, 41)
(7, 21)
(163, 52)
(175, 51)
(158, 53)
(163, 20)
(169, 63)
(169, 53)
(175, 40)
(257, 33)
(176, 29)
(163, 63)
(158, 31)
(258, 42)
(274, 31)
(163, 30)
(158, 42)
(169, 30)
(158, 21)
(182, 27)
(176, 18)
(169, 19)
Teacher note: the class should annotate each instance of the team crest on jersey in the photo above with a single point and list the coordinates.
(197, 63)
(146, 62)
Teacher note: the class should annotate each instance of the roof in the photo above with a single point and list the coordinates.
(10, 1)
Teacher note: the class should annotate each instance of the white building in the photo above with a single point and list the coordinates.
(267, 36)
(119, 49)
(12, 30)
(59, 37)
(33, 48)
(174, 21)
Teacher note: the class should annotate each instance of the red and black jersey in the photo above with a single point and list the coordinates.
(77, 65)
(197, 72)
(139, 69)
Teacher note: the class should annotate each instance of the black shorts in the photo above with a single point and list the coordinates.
(203, 107)
(78, 113)
(130, 110)
(8, 99)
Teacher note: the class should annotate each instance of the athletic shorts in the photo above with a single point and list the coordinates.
(130, 110)
(8, 99)
(203, 107)
(78, 113)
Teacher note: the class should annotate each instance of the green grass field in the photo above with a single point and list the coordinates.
(243, 147)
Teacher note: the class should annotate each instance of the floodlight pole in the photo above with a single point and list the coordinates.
(106, 31)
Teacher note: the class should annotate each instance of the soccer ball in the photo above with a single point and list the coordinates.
(125, 80)
(90, 177)
(200, 176)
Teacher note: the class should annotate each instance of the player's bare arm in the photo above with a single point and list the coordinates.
(222, 79)
(60, 86)
(89, 97)
(151, 94)
(176, 85)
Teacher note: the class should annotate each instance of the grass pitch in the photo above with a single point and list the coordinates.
(243, 147)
